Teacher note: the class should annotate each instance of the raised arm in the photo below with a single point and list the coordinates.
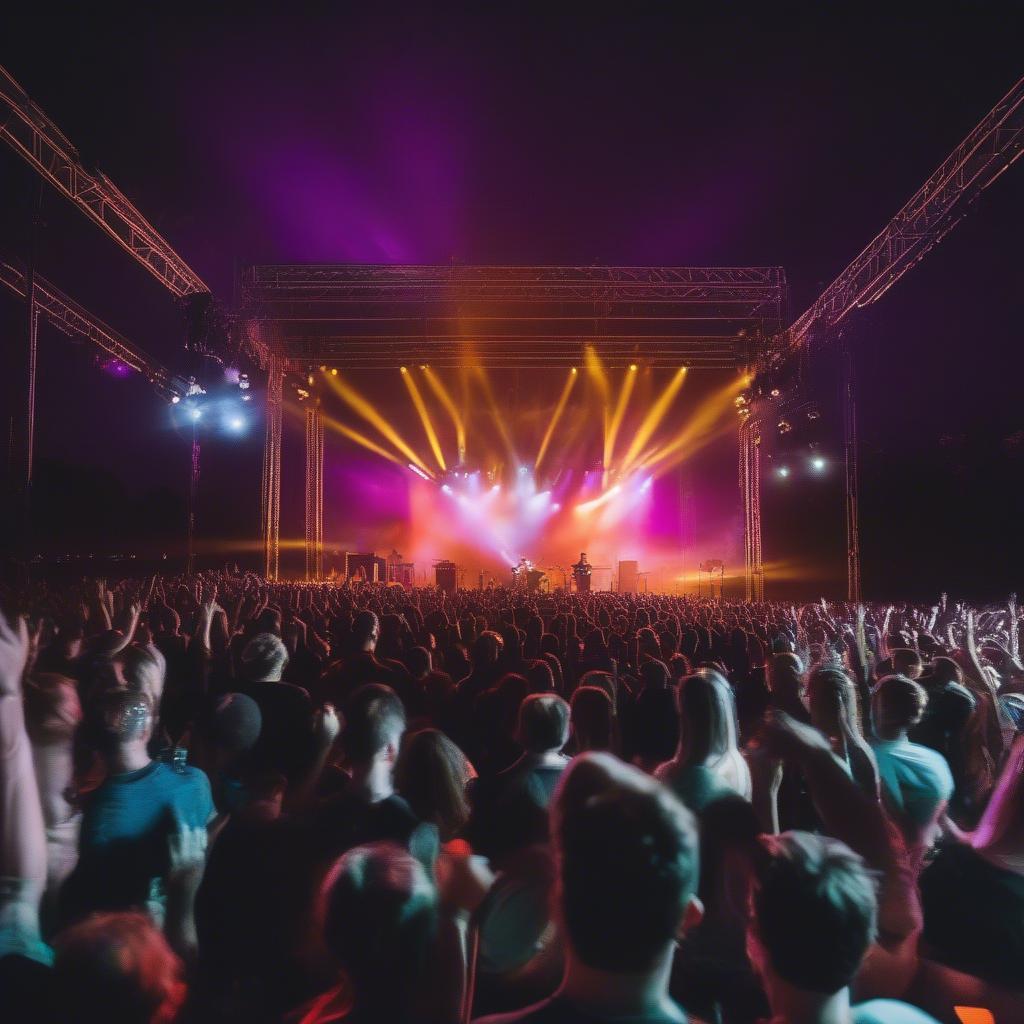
(22, 831)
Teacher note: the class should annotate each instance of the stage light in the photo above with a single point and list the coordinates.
(446, 489)
(323, 368)
(309, 380)
(175, 399)
(632, 366)
(196, 414)
(575, 370)
(403, 369)
(236, 423)
(783, 471)
(556, 507)
(784, 426)
(419, 472)
(246, 398)
(423, 366)
(524, 469)
(334, 371)
(775, 392)
(818, 464)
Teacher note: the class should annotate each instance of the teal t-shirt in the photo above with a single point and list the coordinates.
(124, 836)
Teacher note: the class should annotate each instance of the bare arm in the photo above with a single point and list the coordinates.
(22, 832)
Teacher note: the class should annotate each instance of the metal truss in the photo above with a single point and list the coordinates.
(270, 519)
(34, 137)
(75, 321)
(381, 316)
(750, 490)
(314, 493)
(934, 210)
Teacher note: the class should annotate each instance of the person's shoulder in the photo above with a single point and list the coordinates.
(187, 781)
(889, 1011)
(932, 760)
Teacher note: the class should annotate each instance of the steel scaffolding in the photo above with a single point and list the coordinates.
(375, 317)
(314, 493)
(271, 490)
(34, 137)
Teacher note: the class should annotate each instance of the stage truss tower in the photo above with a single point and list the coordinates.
(314, 493)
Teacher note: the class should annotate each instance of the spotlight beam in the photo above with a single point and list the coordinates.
(596, 370)
(559, 409)
(499, 420)
(445, 398)
(601, 499)
(353, 435)
(653, 419)
(428, 426)
(705, 424)
(360, 405)
(612, 433)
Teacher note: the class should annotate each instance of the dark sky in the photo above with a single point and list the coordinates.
(654, 135)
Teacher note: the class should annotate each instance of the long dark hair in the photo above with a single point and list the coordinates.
(431, 774)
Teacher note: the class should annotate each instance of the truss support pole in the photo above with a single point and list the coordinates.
(750, 488)
(314, 494)
(271, 517)
(850, 459)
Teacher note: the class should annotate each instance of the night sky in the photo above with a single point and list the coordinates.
(654, 136)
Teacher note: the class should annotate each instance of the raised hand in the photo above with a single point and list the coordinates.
(186, 851)
(14, 652)
(326, 726)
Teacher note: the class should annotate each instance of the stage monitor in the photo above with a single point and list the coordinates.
(446, 575)
(628, 577)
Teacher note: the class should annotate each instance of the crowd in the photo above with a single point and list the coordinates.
(223, 800)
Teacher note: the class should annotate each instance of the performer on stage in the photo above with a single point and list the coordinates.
(581, 574)
(520, 572)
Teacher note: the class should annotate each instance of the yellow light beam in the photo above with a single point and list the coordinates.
(559, 409)
(499, 420)
(421, 408)
(360, 405)
(620, 411)
(346, 431)
(596, 371)
(445, 398)
(653, 419)
(705, 424)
